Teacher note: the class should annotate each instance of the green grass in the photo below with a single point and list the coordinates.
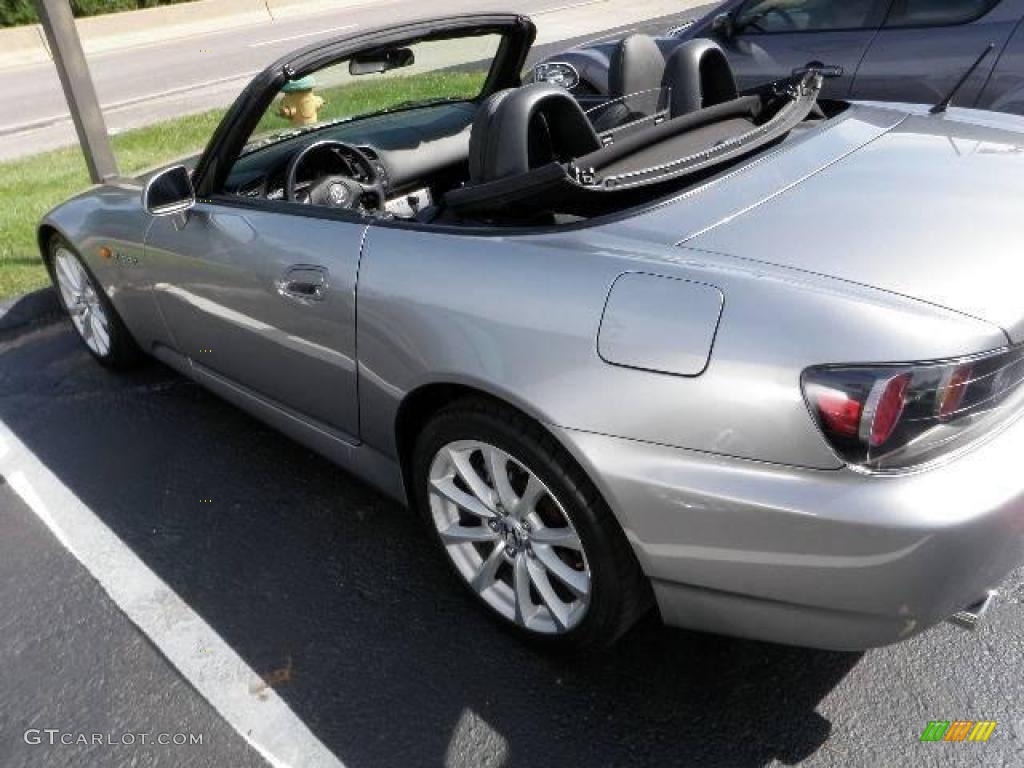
(361, 98)
(31, 186)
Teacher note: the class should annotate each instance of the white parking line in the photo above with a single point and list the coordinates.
(213, 668)
(277, 40)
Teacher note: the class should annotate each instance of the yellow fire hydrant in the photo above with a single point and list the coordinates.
(300, 104)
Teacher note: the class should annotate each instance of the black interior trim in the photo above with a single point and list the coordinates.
(745, 106)
(585, 191)
(410, 146)
(682, 144)
(484, 229)
(522, 128)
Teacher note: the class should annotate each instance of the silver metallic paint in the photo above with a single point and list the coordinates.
(659, 324)
(957, 248)
(215, 279)
(737, 509)
(835, 559)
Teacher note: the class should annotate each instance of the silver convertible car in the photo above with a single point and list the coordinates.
(755, 359)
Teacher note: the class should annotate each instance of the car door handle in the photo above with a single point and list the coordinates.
(304, 283)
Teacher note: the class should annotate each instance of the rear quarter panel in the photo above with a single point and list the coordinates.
(518, 318)
(517, 315)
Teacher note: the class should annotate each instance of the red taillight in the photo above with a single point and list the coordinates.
(892, 416)
(839, 412)
(892, 396)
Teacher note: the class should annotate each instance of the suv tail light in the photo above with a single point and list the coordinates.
(898, 415)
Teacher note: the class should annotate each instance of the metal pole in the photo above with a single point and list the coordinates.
(62, 36)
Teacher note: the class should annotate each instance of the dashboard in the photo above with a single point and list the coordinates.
(406, 150)
(327, 160)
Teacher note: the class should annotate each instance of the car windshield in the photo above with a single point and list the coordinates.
(395, 79)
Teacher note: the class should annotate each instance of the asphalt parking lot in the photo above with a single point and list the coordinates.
(337, 595)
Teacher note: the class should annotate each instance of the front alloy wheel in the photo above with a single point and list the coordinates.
(509, 537)
(82, 301)
(93, 316)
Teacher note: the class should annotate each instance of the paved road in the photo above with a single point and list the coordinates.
(73, 662)
(393, 665)
(140, 85)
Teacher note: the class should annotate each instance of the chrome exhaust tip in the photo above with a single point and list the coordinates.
(970, 617)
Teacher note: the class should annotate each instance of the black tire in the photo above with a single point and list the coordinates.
(620, 593)
(123, 353)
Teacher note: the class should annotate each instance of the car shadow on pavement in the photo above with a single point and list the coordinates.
(339, 598)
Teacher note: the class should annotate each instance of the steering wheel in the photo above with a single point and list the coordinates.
(335, 190)
(755, 23)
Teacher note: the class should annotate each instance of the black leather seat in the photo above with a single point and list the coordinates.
(699, 75)
(636, 67)
(637, 64)
(519, 129)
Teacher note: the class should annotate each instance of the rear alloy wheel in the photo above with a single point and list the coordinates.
(91, 313)
(524, 529)
(509, 537)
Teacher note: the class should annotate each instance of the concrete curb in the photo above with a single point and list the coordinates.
(28, 309)
(20, 46)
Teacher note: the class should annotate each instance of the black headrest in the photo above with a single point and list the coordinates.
(699, 75)
(481, 136)
(518, 129)
(636, 65)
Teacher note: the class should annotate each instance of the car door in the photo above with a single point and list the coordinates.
(1004, 91)
(264, 300)
(256, 282)
(770, 39)
(926, 46)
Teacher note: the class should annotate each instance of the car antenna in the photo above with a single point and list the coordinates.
(944, 104)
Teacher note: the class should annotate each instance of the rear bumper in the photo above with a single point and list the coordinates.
(829, 559)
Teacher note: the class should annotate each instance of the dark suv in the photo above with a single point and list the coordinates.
(886, 50)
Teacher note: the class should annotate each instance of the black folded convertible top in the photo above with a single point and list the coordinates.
(748, 107)
(642, 165)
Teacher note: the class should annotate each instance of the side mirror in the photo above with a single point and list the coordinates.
(377, 62)
(723, 26)
(169, 191)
